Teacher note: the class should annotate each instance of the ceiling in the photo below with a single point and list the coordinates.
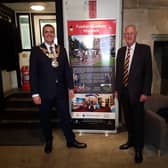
(14, 1)
(25, 7)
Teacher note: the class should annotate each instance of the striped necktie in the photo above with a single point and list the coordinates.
(125, 72)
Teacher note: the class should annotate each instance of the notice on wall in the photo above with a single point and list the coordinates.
(92, 56)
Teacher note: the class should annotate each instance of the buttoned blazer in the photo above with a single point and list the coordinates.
(46, 80)
(140, 74)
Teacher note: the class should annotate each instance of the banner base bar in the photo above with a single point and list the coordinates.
(106, 132)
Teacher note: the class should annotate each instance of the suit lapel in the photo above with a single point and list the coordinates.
(134, 58)
(122, 59)
(43, 46)
(123, 56)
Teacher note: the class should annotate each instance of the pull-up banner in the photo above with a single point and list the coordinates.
(92, 56)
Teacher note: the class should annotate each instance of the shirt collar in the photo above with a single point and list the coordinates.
(132, 47)
(48, 45)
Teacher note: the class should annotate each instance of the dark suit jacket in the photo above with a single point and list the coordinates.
(46, 80)
(140, 74)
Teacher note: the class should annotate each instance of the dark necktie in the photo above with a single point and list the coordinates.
(51, 49)
(125, 72)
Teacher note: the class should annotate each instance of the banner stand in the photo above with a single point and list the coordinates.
(92, 37)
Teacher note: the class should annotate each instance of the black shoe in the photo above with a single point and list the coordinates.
(138, 156)
(76, 144)
(125, 146)
(48, 146)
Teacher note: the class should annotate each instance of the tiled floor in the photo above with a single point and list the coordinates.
(102, 152)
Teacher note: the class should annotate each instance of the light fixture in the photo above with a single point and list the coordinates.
(37, 7)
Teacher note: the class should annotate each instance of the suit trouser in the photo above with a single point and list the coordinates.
(62, 109)
(134, 118)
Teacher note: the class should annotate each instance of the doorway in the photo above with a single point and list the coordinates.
(26, 22)
(161, 57)
(18, 105)
(10, 80)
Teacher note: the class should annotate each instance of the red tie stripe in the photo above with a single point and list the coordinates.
(125, 72)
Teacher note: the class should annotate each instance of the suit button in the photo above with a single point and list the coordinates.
(56, 81)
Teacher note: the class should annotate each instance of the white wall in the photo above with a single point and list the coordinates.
(9, 80)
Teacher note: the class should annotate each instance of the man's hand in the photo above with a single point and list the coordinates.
(143, 98)
(71, 93)
(116, 94)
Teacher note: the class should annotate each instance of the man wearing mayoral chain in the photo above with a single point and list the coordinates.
(51, 79)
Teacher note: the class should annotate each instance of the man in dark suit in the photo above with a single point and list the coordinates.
(50, 80)
(132, 87)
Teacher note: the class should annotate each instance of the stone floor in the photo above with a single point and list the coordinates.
(102, 152)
